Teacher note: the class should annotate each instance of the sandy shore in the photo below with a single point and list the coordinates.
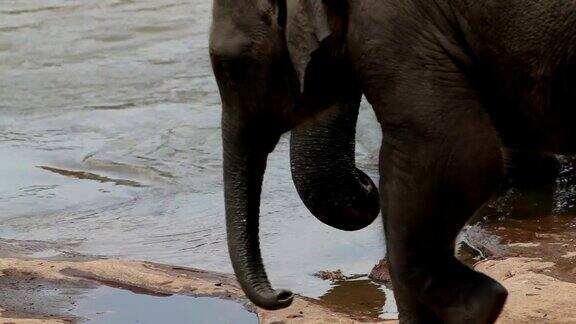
(143, 277)
(535, 259)
(535, 296)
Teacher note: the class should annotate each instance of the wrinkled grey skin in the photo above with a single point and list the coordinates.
(262, 99)
(452, 82)
(324, 172)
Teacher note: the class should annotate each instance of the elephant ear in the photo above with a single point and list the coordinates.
(315, 32)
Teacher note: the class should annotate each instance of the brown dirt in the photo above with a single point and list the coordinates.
(145, 277)
(535, 259)
(535, 296)
(531, 252)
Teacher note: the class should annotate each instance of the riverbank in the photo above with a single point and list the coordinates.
(33, 279)
(535, 295)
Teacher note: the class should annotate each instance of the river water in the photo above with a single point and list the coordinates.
(110, 145)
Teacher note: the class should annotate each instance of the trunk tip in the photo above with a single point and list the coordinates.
(279, 299)
(284, 296)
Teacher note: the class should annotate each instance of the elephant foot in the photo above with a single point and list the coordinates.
(481, 303)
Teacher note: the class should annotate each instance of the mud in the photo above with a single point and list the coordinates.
(362, 299)
(113, 291)
(532, 256)
(526, 240)
(537, 223)
(85, 290)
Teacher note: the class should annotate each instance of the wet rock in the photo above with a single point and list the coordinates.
(524, 245)
(337, 275)
(331, 275)
(380, 272)
(139, 277)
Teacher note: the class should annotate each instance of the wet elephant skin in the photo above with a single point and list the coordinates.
(452, 84)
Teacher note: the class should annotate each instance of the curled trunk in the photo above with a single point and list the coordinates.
(322, 152)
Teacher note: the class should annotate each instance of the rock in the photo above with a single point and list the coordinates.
(380, 272)
(331, 275)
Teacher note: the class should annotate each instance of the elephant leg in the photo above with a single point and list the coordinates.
(431, 190)
(527, 170)
(528, 190)
(440, 161)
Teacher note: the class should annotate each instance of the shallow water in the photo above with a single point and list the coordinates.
(110, 145)
(362, 298)
(114, 306)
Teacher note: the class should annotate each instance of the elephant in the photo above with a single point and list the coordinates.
(454, 84)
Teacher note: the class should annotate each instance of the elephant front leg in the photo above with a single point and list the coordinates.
(434, 175)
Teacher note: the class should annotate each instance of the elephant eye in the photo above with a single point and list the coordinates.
(234, 70)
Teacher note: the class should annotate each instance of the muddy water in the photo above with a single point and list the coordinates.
(110, 145)
(362, 298)
(537, 222)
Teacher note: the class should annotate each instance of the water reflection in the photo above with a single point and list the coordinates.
(115, 306)
(362, 299)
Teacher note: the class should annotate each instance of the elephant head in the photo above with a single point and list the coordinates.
(280, 64)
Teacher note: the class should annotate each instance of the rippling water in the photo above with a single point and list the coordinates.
(110, 144)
